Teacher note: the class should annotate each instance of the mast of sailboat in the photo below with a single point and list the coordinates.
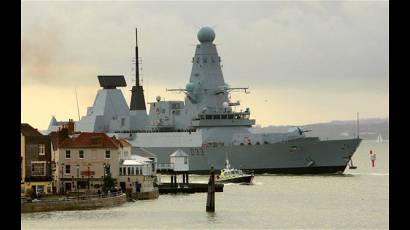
(78, 109)
(357, 126)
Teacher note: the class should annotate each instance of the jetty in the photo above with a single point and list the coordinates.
(180, 166)
(166, 188)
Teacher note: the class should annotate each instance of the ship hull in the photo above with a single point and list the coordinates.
(240, 179)
(302, 156)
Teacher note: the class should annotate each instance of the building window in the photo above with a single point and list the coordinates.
(41, 149)
(81, 154)
(67, 154)
(128, 171)
(82, 184)
(38, 168)
(107, 154)
(123, 171)
(122, 121)
(40, 189)
(120, 171)
(67, 169)
(185, 160)
(132, 171)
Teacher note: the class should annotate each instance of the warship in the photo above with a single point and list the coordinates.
(206, 125)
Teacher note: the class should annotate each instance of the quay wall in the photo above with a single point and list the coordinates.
(44, 206)
(146, 195)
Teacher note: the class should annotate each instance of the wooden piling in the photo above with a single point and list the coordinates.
(210, 201)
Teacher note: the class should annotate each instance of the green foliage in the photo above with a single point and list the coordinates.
(30, 193)
(109, 183)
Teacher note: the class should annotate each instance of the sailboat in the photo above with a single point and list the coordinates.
(379, 139)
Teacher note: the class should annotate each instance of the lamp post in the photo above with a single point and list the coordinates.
(62, 184)
(88, 172)
(78, 177)
(104, 165)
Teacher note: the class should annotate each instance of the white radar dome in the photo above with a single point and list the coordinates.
(206, 34)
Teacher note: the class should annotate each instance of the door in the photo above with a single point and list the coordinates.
(122, 185)
(67, 187)
(137, 187)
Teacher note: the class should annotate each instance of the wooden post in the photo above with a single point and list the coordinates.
(210, 201)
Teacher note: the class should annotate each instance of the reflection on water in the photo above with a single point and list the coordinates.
(358, 199)
(212, 217)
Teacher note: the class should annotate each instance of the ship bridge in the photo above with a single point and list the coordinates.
(223, 119)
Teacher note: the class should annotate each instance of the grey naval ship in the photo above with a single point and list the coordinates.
(206, 125)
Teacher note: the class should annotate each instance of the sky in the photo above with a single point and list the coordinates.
(303, 61)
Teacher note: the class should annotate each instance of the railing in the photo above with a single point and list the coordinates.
(161, 166)
(73, 198)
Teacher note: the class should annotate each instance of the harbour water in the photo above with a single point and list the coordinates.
(359, 199)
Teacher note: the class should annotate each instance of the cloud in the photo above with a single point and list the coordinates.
(296, 48)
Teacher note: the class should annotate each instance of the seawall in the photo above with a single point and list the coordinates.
(65, 205)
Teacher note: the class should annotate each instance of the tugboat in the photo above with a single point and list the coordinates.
(231, 175)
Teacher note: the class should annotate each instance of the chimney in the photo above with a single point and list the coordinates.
(62, 134)
(70, 127)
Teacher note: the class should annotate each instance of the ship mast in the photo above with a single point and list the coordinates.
(137, 95)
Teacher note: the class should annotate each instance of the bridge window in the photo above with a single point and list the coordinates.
(224, 116)
(208, 117)
(230, 116)
(217, 117)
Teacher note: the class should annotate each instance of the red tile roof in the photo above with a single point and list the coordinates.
(29, 131)
(123, 143)
(90, 140)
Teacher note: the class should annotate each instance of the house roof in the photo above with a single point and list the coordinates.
(90, 140)
(133, 162)
(29, 131)
(179, 153)
(123, 143)
(140, 158)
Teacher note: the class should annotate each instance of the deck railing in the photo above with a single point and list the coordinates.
(162, 166)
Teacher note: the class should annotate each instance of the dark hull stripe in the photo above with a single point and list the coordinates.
(242, 179)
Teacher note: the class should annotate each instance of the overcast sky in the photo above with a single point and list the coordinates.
(304, 62)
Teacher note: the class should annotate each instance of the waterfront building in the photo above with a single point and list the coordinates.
(35, 158)
(83, 159)
(137, 175)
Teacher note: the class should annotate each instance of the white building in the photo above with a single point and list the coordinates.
(179, 161)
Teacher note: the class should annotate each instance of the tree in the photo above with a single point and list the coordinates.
(108, 183)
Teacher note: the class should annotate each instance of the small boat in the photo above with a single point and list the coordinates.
(231, 175)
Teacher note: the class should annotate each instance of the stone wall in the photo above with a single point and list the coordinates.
(44, 206)
(146, 195)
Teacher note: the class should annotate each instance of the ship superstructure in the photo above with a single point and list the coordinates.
(206, 126)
